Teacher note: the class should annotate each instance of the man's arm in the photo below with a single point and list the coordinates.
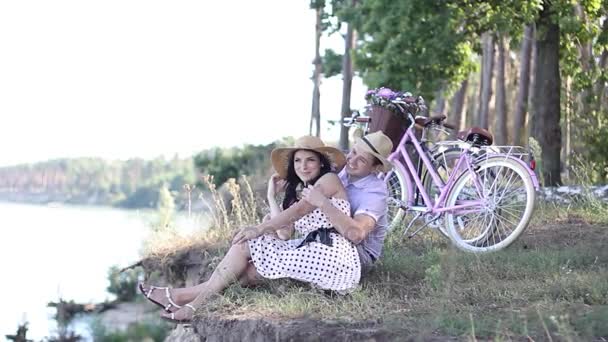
(354, 229)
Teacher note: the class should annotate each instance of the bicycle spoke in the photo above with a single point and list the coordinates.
(503, 219)
(513, 215)
(513, 173)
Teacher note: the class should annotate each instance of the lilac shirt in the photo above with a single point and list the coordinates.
(368, 196)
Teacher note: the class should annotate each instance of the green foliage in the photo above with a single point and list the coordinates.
(597, 153)
(326, 16)
(423, 46)
(144, 331)
(412, 45)
(223, 164)
(584, 28)
(123, 284)
(332, 63)
(141, 197)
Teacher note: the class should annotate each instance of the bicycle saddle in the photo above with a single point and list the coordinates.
(424, 121)
(476, 135)
(434, 119)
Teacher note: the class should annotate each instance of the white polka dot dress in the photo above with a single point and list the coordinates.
(335, 267)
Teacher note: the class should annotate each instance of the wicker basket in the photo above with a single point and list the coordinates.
(390, 123)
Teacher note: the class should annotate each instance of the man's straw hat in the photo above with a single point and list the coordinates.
(378, 145)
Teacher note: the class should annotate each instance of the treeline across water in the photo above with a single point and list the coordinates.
(133, 183)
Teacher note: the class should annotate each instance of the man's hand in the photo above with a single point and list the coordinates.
(314, 196)
(246, 234)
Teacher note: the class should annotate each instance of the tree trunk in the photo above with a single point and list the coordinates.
(457, 107)
(600, 89)
(545, 118)
(567, 128)
(439, 102)
(347, 74)
(485, 88)
(584, 98)
(315, 116)
(472, 103)
(500, 131)
(521, 104)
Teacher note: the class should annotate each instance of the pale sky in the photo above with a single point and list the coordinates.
(141, 78)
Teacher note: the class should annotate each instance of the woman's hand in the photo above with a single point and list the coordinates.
(314, 196)
(246, 234)
(275, 185)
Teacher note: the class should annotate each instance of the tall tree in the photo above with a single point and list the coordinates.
(521, 104)
(545, 118)
(315, 116)
(600, 88)
(500, 124)
(487, 71)
(439, 103)
(347, 74)
(458, 105)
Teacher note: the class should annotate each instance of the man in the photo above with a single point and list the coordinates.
(367, 195)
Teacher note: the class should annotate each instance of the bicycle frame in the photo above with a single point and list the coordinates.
(436, 206)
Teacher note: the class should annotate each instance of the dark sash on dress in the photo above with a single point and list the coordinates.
(322, 233)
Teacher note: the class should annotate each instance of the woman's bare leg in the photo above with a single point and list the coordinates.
(230, 269)
(234, 266)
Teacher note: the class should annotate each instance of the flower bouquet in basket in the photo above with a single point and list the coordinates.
(389, 111)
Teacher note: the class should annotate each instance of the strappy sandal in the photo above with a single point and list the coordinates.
(167, 307)
(172, 318)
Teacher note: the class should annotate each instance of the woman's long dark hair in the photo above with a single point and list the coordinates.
(293, 180)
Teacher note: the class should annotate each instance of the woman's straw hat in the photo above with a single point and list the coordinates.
(378, 145)
(280, 156)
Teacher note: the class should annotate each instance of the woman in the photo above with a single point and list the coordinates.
(321, 256)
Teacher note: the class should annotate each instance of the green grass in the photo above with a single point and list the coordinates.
(552, 282)
(585, 207)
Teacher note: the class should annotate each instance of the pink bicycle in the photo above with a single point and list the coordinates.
(479, 195)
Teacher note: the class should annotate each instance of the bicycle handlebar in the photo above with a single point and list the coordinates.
(355, 118)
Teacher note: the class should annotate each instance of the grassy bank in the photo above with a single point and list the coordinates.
(550, 284)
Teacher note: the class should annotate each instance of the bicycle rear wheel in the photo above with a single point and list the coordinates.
(397, 197)
(505, 195)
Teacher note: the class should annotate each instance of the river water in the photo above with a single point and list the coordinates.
(48, 252)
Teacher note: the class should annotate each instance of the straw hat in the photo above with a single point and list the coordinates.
(280, 156)
(378, 145)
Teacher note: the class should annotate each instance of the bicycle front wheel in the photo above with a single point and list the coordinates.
(496, 204)
(397, 197)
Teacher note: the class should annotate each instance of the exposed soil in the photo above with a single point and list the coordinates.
(574, 231)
